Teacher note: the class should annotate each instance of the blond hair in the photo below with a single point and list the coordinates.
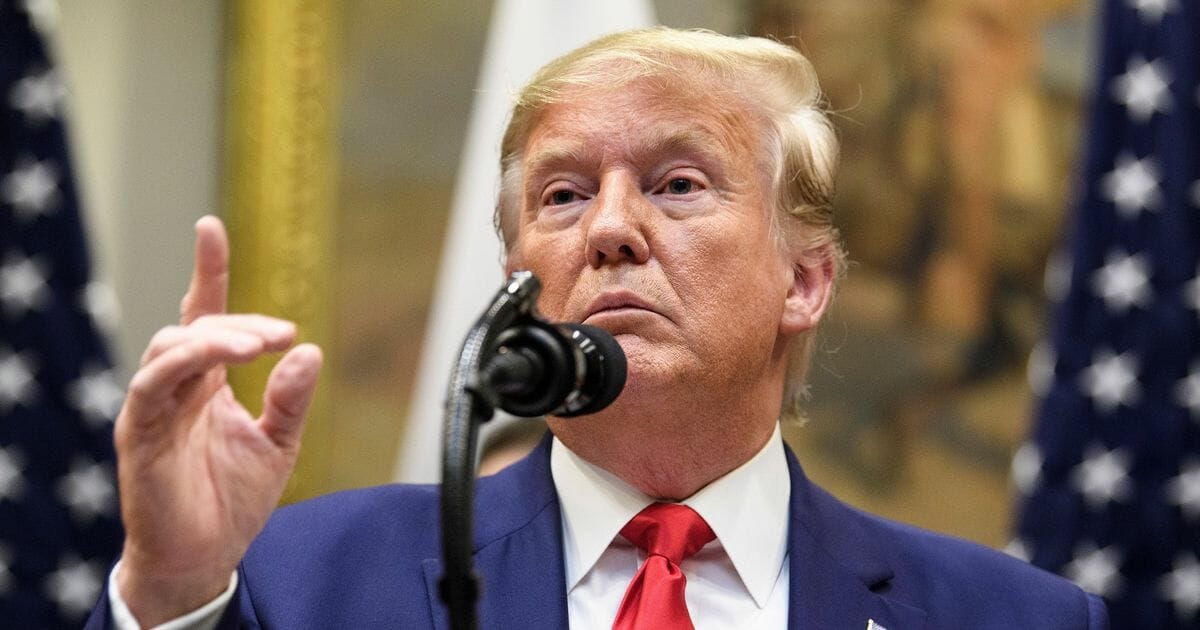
(772, 80)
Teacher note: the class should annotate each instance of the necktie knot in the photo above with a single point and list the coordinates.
(669, 533)
(672, 530)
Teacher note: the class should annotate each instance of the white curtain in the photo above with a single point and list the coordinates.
(524, 34)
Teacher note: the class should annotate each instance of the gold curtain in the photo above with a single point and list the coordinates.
(279, 182)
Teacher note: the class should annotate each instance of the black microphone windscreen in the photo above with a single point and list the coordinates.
(606, 369)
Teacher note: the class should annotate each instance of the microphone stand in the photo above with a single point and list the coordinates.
(470, 402)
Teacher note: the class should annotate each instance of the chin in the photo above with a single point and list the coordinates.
(658, 387)
(655, 363)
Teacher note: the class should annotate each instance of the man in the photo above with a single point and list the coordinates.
(674, 189)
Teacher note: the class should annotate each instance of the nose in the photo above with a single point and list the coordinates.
(616, 229)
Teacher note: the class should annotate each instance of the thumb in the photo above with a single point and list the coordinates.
(289, 391)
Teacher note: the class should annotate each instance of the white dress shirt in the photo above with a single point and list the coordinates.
(205, 617)
(739, 580)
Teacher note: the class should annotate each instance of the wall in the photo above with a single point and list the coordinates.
(144, 114)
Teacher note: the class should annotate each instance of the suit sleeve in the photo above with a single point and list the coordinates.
(1097, 613)
(111, 612)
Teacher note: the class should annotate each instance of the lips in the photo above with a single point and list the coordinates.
(615, 302)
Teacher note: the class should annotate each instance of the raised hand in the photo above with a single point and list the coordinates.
(198, 474)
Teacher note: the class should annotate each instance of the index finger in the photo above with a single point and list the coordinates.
(207, 292)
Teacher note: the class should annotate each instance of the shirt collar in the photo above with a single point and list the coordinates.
(596, 505)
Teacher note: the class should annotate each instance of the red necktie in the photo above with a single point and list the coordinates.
(668, 533)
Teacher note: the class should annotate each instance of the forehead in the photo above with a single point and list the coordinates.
(643, 120)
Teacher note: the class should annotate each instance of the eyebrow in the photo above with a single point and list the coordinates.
(687, 141)
(552, 157)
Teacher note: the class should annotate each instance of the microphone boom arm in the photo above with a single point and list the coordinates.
(470, 401)
(514, 360)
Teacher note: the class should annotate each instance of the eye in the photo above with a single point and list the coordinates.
(561, 197)
(681, 186)
(561, 194)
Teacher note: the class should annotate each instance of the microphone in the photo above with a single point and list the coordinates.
(565, 370)
(513, 360)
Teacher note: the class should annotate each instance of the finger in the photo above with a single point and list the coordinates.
(159, 379)
(289, 392)
(273, 330)
(169, 339)
(210, 272)
(274, 334)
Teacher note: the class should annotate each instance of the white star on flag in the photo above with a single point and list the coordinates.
(1143, 88)
(6, 576)
(96, 395)
(31, 188)
(87, 490)
(1111, 380)
(1103, 476)
(1057, 278)
(17, 384)
(1181, 586)
(1191, 292)
(44, 14)
(1132, 185)
(39, 96)
(1152, 11)
(1019, 549)
(1040, 369)
(12, 484)
(74, 585)
(1184, 490)
(1027, 468)
(1187, 391)
(100, 302)
(1095, 570)
(1123, 281)
(23, 284)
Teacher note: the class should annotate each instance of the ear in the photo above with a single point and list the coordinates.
(810, 293)
(512, 262)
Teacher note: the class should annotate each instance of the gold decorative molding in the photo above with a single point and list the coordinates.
(279, 196)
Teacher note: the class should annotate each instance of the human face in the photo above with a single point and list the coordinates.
(646, 214)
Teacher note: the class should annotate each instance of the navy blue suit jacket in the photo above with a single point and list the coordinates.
(370, 559)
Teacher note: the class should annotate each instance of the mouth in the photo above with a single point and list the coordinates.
(617, 303)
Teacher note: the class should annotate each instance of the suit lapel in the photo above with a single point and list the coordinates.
(837, 572)
(518, 549)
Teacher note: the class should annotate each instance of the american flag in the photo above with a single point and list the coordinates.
(59, 525)
(1110, 477)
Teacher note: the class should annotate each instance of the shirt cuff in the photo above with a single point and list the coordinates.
(205, 617)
